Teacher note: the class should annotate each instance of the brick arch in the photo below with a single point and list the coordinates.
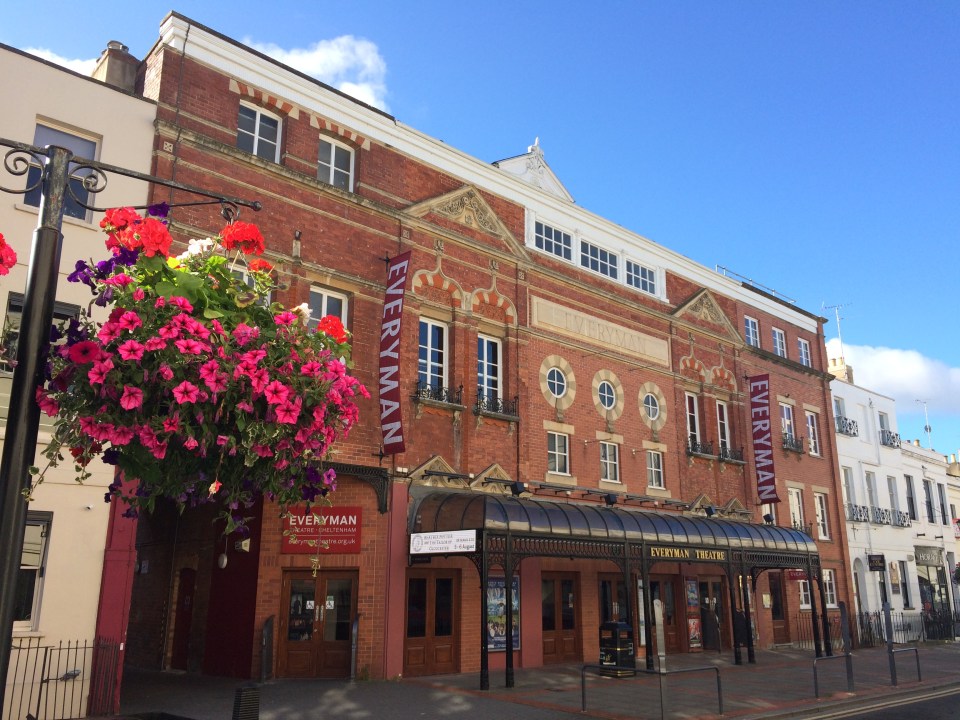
(281, 107)
(493, 298)
(722, 378)
(692, 368)
(424, 280)
(328, 126)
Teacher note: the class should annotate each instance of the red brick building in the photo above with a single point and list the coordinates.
(573, 401)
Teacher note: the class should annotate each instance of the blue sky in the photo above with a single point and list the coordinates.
(810, 146)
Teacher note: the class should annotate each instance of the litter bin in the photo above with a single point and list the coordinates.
(616, 649)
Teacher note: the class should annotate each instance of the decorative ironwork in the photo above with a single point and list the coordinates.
(804, 528)
(846, 426)
(497, 406)
(448, 395)
(881, 516)
(729, 454)
(16, 163)
(792, 443)
(858, 513)
(901, 518)
(696, 447)
(889, 438)
(376, 477)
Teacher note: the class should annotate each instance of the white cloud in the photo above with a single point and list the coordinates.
(350, 64)
(84, 67)
(904, 375)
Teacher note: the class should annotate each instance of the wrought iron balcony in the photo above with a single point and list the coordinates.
(881, 516)
(858, 513)
(846, 426)
(729, 454)
(890, 438)
(803, 527)
(698, 447)
(901, 518)
(793, 443)
(448, 395)
(497, 406)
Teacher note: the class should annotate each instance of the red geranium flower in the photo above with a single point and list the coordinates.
(331, 325)
(8, 258)
(245, 236)
(259, 265)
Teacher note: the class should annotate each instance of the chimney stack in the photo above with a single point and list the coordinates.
(117, 67)
(840, 370)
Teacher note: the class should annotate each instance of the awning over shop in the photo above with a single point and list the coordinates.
(501, 514)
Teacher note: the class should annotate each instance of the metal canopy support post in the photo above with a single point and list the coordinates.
(647, 613)
(732, 579)
(749, 583)
(508, 597)
(23, 418)
(484, 652)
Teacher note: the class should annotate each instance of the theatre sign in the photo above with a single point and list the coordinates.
(441, 543)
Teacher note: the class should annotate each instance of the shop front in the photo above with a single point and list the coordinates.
(935, 604)
(588, 564)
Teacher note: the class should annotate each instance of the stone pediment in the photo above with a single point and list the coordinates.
(437, 472)
(533, 170)
(702, 309)
(467, 207)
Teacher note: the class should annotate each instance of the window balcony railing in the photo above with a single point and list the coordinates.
(729, 454)
(497, 406)
(803, 527)
(881, 516)
(901, 518)
(699, 447)
(890, 438)
(858, 513)
(448, 395)
(846, 426)
(793, 443)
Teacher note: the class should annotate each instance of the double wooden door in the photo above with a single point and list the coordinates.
(316, 622)
(431, 638)
(560, 610)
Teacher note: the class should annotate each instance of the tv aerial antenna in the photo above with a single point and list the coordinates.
(836, 311)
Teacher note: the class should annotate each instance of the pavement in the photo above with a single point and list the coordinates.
(779, 685)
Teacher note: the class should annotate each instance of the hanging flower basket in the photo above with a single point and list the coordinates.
(195, 386)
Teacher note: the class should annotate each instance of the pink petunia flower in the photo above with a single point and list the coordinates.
(132, 398)
(182, 303)
(276, 393)
(186, 392)
(155, 343)
(165, 372)
(288, 412)
(98, 373)
(131, 350)
(285, 318)
(129, 321)
(191, 347)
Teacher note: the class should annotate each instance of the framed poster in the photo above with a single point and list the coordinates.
(497, 614)
(695, 632)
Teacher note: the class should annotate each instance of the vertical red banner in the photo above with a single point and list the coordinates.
(762, 429)
(391, 419)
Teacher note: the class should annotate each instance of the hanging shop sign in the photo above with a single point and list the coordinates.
(391, 419)
(761, 427)
(927, 555)
(327, 530)
(876, 563)
(796, 574)
(441, 543)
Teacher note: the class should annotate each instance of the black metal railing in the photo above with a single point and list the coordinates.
(793, 443)
(729, 454)
(449, 395)
(803, 527)
(71, 679)
(498, 406)
(699, 447)
(890, 438)
(881, 516)
(846, 426)
(858, 513)
(805, 634)
(908, 627)
(902, 519)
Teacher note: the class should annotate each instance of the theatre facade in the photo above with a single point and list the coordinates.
(568, 421)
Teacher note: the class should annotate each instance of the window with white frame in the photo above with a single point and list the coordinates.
(779, 342)
(786, 422)
(813, 433)
(804, 587)
(553, 241)
(11, 326)
(488, 368)
(803, 352)
(904, 584)
(928, 499)
(892, 492)
(911, 498)
(28, 592)
(796, 507)
(609, 461)
(641, 277)
(723, 426)
(848, 485)
(432, 369)
(651, 406)
(655, 469)
(599, 260)
(941, 491)
(607, 395)
(558, 453)
(258, 133)
(556, 382)
(870, 480)
(823, 521)
(830, 587)
(768, 513)
(693, 420)
(325, 302)
(82, 148)
(751, 331)
(335, 164)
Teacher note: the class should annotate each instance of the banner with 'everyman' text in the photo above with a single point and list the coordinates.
(761, 426)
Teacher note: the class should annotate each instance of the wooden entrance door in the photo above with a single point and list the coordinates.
(317, 620)
(559, 605)
(663, 588)
(431, 640)
(778, 610)
(713, 614)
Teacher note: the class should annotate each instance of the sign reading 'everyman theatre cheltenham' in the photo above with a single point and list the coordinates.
(762, 438)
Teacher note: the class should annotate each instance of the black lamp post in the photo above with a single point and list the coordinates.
(58, 169)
